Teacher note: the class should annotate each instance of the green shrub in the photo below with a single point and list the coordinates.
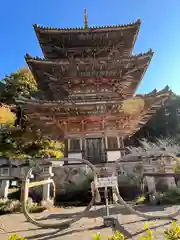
(148, 235)
(9, 206)
(12, 206)
(173, 233)
(15, 237)
(96, 237)
(171, 196)
(117, 236)
(37, 209)
(140, 200)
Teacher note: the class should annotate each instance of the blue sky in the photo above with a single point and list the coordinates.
(160, 31)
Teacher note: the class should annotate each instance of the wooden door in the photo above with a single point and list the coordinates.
(94, 150)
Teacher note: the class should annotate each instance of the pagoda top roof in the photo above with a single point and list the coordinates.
(87, 41)
(135, 24)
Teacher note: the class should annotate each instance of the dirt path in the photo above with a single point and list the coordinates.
(130, 225)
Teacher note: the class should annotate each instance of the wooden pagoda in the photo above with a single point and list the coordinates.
(87, 82)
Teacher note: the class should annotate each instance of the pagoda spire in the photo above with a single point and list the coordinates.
(85, 19)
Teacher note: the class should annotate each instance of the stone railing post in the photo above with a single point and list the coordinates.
(46, 175)
(169, 168)
(151, 184)
(4, 188)
(5, 177)
(24, 190)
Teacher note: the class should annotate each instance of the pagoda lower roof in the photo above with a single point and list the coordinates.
(75, 108)
(122, 74)
(54, 112)
(56, 42)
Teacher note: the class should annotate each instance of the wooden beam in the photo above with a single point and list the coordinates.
(39, 183)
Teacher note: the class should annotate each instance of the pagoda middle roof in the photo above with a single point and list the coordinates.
(128, 70)
(70, 68)
(30, 58)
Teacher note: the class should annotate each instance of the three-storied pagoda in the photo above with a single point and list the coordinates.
(87, 81)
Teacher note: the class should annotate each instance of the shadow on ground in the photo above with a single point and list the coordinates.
(119, 227)
(100, 212)
(95, 213)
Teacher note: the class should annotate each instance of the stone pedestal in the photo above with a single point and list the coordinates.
(110, 221)
(4, 189)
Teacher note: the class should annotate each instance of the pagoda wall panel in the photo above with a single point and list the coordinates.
(113, 155)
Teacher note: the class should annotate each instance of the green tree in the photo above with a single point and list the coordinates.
(19, 83)
(165, 123)
(19, 136)
(18, 143)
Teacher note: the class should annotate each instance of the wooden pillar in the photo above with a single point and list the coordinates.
(122, 146)
(118, 142)
(105, 149)
(65, 147)
(103, 158)
(106, 142)
(85, 147)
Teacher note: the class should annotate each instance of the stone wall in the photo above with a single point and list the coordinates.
(69, 178)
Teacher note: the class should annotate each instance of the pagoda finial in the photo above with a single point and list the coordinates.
(85, 19)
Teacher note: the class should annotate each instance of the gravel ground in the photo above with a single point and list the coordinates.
(128, 224)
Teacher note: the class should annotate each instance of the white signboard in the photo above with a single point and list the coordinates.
(14, 183)
(106, 182)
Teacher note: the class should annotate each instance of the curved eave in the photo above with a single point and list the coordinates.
(142, 60)
(150, 55)
(29, 58)
(39, 29)
(154, 99)
(158, 99)
(165, 92)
